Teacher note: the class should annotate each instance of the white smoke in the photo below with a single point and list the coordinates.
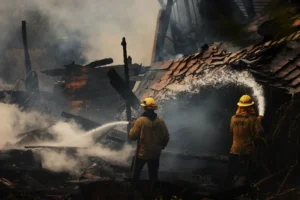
(58, 161)
(120, 156)
(103, 129)
(61, 161)
(222, 76)
(70, 135)
(16, 121)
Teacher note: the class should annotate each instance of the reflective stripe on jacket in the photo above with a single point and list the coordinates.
(153, 134)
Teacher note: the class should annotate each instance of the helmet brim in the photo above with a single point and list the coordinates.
(149, 107)
(245, 104)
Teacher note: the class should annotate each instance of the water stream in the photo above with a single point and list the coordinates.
(97, 132)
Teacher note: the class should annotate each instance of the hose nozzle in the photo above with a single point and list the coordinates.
(132, 121)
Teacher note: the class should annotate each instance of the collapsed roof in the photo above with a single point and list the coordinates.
(274, 63)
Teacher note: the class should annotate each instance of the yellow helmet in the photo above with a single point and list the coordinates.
(149, 103)
(245, 101)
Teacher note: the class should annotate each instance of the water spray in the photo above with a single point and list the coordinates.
(224, 76)
(104, 128)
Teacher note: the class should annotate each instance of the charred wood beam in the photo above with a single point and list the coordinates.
(97, 63)
(283, 183)
(288, 194)
(84, 122)
(54, 72)
(31, 76)
(26, 52)
(36, 131)
(76, 70)
(119, 84)
(73, 65)
(163, 25)
(157, 29)
(93, 64)
(264, 180)
(127, 86)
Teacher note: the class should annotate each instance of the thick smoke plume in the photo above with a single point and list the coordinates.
(60, 32)
(98, 25)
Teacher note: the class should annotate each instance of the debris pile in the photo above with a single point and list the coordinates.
(274, 62)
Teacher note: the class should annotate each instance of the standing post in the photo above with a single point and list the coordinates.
(31, 78)
(128, 107)
(26, 53)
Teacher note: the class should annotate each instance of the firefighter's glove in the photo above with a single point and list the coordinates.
(132, 122)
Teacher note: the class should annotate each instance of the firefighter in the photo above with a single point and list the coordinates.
(246, 128)
(153, 136)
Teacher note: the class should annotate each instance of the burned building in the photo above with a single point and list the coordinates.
(271, 60)
(269, 54)
(197, 74)
(86, 89)
(184, 26)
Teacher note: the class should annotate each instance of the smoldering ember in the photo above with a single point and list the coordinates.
(79, 89)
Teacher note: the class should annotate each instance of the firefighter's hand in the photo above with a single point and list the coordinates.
(132, 122)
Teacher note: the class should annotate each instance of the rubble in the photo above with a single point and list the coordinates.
(26, 180)
(274, 62)
(290, 194)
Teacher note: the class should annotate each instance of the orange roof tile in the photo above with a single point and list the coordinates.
(278, 70)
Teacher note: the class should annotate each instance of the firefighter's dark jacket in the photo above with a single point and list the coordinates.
(152, 133)
(245, 128)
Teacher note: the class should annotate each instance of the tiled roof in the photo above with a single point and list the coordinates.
(274, 63)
